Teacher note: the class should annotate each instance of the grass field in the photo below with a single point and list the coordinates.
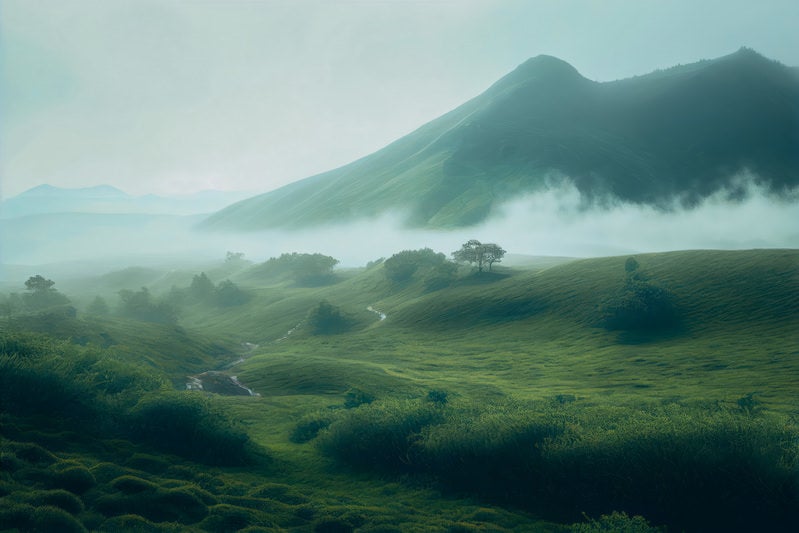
(506, 401)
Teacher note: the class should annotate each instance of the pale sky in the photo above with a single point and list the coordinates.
(180, 96)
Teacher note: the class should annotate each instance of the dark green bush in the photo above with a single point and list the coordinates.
(186, 424)
(48, 518)
(615, 522)
(327, 319)
(688, 467)
(155, 464)
(30, 387)
(639, 306)
(31, 453)
(439, 397)
(114, 377)
(133, 485)
(55, 498)
(684, 467)
(382, 435)
(155, 504)
(279, 492)
(433, 268)
(75, 479)
(225, 517)
(9, 462)
(140, 305)
(305, 269)
(25, 345)
(309, 427)
(228, 294)
(106, 472)
(356, 397)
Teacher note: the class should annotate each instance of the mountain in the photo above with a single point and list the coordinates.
(47, 199)
(681, 133)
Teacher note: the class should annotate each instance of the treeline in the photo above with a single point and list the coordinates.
(39, 294)
(308, 270)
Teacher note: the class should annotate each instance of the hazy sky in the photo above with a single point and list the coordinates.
(178, 96)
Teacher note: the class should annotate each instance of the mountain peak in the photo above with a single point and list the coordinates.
(680, 134)
(748, 58)
(47, 190)
(546, 66)
(540, 69)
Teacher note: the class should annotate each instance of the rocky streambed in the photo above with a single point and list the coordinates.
(218, 383)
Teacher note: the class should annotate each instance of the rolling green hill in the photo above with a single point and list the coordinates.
(680, 133)
(503, 402)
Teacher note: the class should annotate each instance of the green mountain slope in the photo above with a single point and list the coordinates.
(678, 133)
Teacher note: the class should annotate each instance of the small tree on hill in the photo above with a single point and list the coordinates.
(305, 269)
(201, 287)
(229, 294)
(480, 254)
(326, 319)
(639, 304)
(41, 293)
(39, 283)
(140, 306)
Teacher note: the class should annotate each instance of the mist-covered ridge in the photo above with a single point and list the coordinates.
(679, 134)
(105, 199)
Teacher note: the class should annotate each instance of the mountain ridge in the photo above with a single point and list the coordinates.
(680, 133)
(106, 199)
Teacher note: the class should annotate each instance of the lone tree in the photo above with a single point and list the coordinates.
(327, 319)
(478, 253)
(39, 283)
(41, 293)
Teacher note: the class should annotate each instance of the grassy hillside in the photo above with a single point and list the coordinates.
(503, 402)
(681, 133)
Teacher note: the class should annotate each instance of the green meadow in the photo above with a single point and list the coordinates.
(657, 393)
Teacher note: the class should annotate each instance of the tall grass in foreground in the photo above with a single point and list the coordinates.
(692, 467)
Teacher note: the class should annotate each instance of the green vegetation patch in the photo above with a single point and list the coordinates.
(682, 465)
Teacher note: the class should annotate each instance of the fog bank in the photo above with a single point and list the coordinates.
(556, 222)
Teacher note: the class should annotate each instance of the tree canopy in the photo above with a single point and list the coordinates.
(480, 254)
(39, 283)
(141, 306)
(403, 265)
(305, 269)
(41, 293)
(327, 319)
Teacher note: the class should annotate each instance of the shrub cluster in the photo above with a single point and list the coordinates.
(224, 294)
(328, 319)
(92, 393)
(305, 269)
(188, 425)
(639, 305)
(683, 466)
(140, 305)
(432, 268)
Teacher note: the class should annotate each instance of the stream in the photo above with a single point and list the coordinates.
(219, 382)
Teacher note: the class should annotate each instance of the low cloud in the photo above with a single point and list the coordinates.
(555, 222)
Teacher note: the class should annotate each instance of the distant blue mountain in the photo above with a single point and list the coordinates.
(47, 199)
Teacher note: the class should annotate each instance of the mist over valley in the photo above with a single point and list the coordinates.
(249, 282)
